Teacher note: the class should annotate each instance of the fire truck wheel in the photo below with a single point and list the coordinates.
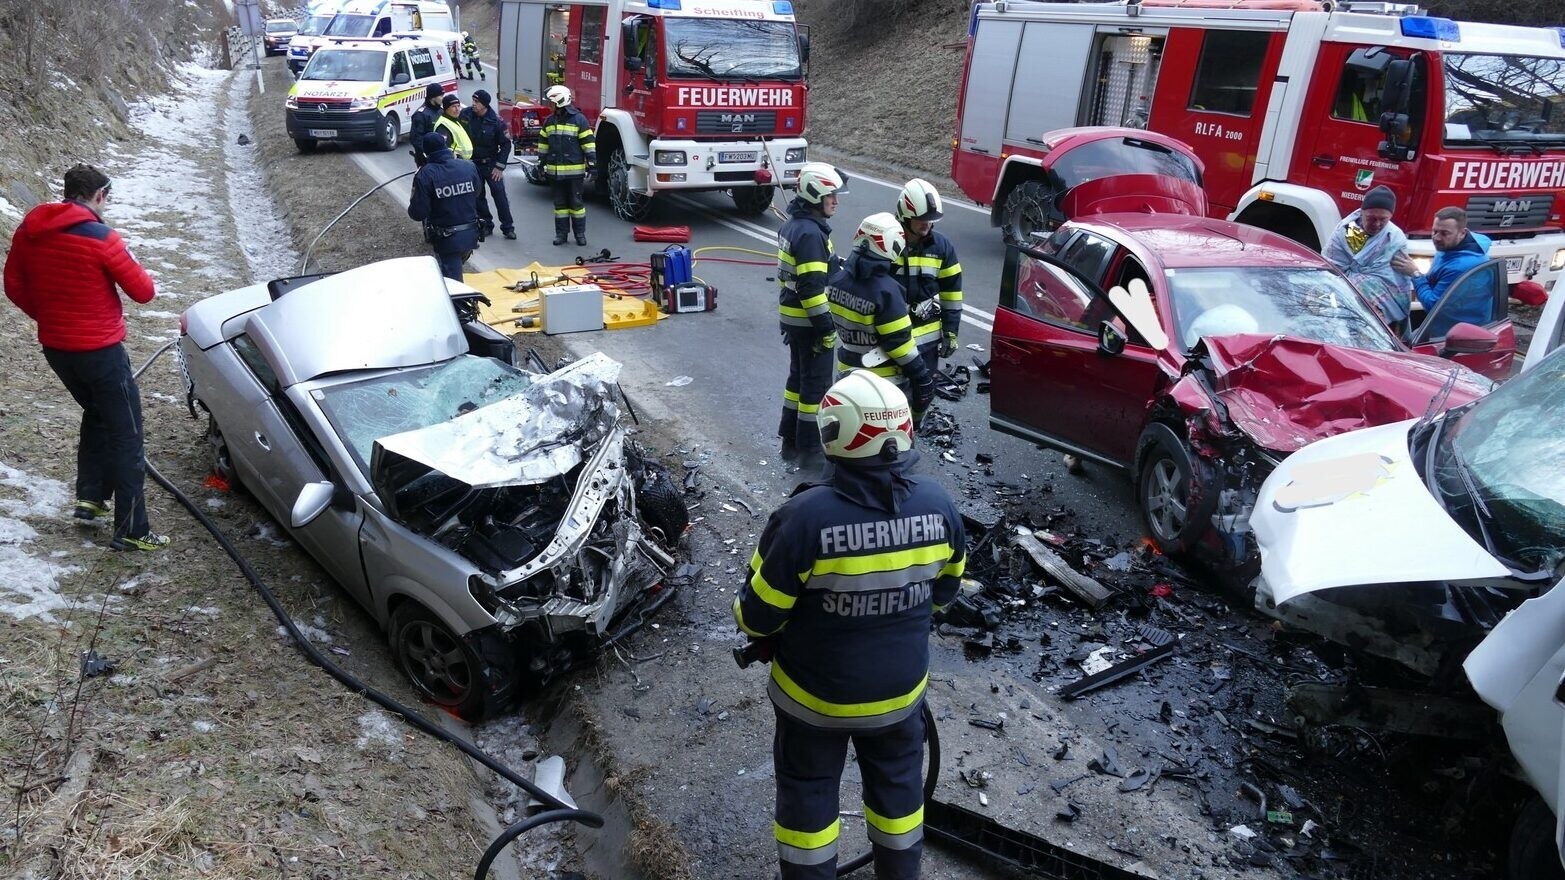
(1029, 208)
(305, 145)
(752, 201)
(630, 206)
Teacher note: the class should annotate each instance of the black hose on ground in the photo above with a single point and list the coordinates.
(559, 810)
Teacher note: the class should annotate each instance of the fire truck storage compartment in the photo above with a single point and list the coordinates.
(1125, 80)
(517, 20)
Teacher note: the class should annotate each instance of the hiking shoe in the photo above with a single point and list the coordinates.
(89, 510)
(148, 541)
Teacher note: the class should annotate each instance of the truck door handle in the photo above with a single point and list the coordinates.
(261, 441)
(1324, 161)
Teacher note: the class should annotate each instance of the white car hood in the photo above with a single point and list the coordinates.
(1351, 510)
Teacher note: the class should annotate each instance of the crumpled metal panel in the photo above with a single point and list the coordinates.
(1284, 393)
(533, 436)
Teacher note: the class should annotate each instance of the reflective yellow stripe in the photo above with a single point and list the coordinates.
(924, 262)
(809, 839)
(947, 272)
(848, 314)
(845, 710)
(785, 257)
(888, 561)
(894, 325)
(816, 300)
(790, 395)
(950, 296)
(894, 826)
(902, 352)
(765, 591)
(792, 312)
(808, 407)
(558, 168)
(954, 569)
(739, 619)
(802, 268)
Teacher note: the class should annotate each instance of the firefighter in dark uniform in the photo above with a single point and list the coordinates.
(874, 329)
(471, 63)
(491, 139)
(445, 200)
(423, 120)
(803, 265)
(929, 273)
(842, 589)
(566, 150)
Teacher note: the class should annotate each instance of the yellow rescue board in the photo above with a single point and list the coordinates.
(510, 308)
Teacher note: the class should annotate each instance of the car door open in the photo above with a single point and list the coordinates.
(1479, 297)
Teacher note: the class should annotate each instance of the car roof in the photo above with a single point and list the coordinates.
(1177, 241)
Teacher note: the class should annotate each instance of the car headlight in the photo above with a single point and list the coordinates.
(794, 155)
(291, 102)
(1422, 263)
(362, 104)
(1558, 262)
(669, 157)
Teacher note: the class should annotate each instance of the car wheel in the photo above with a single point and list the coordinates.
(442, 666)
(1174, 490)
(305, 145)
(222, 461)
(1029, 208)
(660, 503)
(1533, 853)
(752, 201)
(390, 133)
(629, 206)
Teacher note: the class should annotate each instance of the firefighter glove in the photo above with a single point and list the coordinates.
(947, 344)
(828, 342)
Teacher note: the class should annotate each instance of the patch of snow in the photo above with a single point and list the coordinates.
(209, 612)
(215, 503)
(29, 587)
(313, 633)
(376, 727)
(9, 210)
(203, 726)
(44, 497)
(156, 313)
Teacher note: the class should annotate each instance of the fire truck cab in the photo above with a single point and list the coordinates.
(1297, 108)
(684, 95)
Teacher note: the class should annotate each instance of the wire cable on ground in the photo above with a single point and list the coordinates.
(559, 810)
(304, 261)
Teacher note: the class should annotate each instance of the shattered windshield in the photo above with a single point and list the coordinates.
(713, 48)
(1505, 99)
(346, 65)
(365, 411)
(1301, 302)
(1512, 444)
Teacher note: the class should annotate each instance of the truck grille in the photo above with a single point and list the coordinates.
(1500, 212)
(322, 112)
(736, 121)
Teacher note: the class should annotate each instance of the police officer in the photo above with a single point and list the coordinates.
(491, 139)
(449, 125)
(843, 586)
(803, 265)
(470, 59)
(929, 274)
(566, 150)
(871, 313)
(423, 121)
(445, 200)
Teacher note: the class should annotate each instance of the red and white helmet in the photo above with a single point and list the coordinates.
(559, 96)
(817, 180)
(881, 235)
(919, 201)
(861, 413)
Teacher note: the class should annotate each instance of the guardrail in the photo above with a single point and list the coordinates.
(240, 50)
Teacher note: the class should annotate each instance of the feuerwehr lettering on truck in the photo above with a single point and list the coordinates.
(1507, 175)
(734, 96)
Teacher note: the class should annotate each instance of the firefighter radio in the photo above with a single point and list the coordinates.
(676, 287)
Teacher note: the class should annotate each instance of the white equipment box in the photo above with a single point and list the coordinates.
(571, 309)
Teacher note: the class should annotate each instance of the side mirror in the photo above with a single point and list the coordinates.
(632, 64)
(804, 48)
(1468, 339)
(400, 78)
(1111, 342)
(313, 500)
(1396, 105)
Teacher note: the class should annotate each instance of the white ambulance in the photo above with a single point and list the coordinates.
(364, 90)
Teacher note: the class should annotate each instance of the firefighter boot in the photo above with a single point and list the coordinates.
(579, 226)
(562, 227)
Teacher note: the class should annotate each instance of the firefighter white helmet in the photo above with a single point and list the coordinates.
(861, 413)
(881, 235)
(559, 96)
(919, 201)
(817, 180)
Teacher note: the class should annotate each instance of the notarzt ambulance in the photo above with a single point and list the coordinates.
(365, 90)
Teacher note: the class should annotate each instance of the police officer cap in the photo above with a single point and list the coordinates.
(433, 143)
(448, 100)
(481, 97)
(433, 90)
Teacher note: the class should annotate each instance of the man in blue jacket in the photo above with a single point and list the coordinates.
(1458, 249)
(842, 587)
(445, 200)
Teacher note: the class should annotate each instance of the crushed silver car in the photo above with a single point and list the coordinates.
(499, 523)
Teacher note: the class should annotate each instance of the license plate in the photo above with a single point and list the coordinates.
(736, 157)
(1513, 265)
(323, 132)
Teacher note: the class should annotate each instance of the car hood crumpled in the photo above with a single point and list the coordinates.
(1284, 393)
(527, 438)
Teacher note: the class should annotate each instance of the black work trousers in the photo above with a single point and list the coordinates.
(809, 762)
(809, 375)
(570, 211)
(109, 453)
(502, 202)
(451, 263)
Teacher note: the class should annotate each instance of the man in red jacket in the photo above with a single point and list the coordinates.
(63, 269)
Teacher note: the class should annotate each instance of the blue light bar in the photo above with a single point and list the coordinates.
(782, 7)
(664, 4)
(1431, 28)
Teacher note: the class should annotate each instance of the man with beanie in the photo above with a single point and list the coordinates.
(1457, 249)
(803, 266)
(65, 271)
(491, 139)
(449, 125)
(841, 593)
(423, 121)
(1363, 246)
(445, 200)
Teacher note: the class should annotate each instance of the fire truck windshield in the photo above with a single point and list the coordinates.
(1505, 100)
(350, 26)
(725, 49)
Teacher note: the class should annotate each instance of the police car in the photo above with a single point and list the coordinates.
(365, 90)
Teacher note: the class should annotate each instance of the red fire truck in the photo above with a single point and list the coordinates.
(684, 94)
(1297, 108)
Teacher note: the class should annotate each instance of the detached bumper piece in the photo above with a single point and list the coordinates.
(982, 836)
(1163, 644)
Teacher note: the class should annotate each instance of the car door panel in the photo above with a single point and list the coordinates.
(1488, 282)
